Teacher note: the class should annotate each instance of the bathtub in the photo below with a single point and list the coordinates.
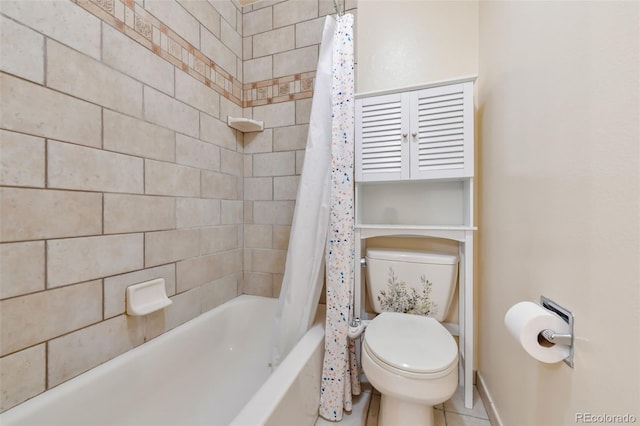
(212, 370)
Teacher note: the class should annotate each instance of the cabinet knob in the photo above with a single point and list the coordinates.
(414, 134)
(404, 134)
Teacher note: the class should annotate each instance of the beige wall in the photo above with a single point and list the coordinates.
(402, 43)
(559, 202)
(558, 170)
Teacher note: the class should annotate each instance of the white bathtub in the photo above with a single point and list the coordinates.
(213, 370)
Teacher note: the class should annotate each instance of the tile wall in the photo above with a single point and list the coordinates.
(117, 167)
(280, 50)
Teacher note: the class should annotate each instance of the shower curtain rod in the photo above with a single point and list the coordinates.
(339, 11)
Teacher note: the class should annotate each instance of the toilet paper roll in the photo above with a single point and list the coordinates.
(526, 320)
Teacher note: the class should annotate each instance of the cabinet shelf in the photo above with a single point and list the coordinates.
(416, 227)
(428, 203)
(466, 79)
(455, 233)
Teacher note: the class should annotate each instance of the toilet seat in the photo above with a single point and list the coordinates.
(404, 343)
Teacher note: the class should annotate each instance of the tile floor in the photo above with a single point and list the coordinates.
(451, 413)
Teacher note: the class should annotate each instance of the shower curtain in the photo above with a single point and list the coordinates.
(323, 225)
(340, 370)
(304, 268)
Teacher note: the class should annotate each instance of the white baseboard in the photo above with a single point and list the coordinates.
(485, 395)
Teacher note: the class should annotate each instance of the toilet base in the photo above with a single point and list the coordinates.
(396, 412)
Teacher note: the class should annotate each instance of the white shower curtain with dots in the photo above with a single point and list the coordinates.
(340, 372)
(304, 268)
(322, 230)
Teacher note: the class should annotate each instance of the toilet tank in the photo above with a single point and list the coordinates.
(414, 282)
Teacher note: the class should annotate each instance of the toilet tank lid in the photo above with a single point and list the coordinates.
(401, 255)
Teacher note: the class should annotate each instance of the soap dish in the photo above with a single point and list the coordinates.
(147, 297)
(245, 124)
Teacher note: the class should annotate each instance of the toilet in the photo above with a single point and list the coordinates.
(410, 358)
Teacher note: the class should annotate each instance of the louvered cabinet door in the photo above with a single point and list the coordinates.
(442, 132)
(382, 152)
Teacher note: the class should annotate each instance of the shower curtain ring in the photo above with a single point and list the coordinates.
(339, 11)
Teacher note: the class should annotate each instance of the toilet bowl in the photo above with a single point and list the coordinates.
(412, 360)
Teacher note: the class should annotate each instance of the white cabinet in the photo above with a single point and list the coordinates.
(414, 178)
(425, 133)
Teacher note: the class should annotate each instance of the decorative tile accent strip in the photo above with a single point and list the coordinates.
(288, 88)
(132, 20)
(106, 5)
(142, 27)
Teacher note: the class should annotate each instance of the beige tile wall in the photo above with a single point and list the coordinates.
(118, 167)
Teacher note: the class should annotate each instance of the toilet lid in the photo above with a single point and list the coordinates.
(412, 343)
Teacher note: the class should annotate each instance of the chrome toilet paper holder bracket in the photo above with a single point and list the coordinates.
(559, 338)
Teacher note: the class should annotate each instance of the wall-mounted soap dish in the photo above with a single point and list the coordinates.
(245, 124)
(147, 297)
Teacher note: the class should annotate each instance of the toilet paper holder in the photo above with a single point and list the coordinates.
(551, 336)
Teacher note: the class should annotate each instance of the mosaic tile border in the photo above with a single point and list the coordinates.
(283, 89)
(134, 21)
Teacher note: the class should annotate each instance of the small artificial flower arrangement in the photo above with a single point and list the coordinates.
(399, 298)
